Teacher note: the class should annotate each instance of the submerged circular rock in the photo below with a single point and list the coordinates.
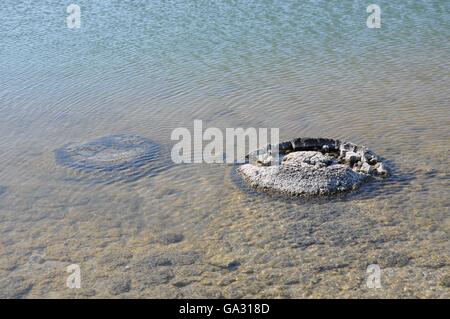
(311, 166)
(116, 156)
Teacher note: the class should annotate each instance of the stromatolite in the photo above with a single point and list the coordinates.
(311, 166)
(111, 158)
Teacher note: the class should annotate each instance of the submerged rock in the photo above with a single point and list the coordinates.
(119, 285)
(171, 238)
(14, 287)
(311, 166)
(114, 157)
(3, 190)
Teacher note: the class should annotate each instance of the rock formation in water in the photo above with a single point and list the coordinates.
(311, 166)
(111, 158)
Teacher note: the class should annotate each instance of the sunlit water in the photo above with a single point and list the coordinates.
(310, 68)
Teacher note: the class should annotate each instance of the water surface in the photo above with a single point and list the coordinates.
(310, 68)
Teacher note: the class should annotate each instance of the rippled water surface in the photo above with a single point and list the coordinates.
(310, 68)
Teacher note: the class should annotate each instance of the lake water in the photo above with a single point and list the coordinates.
(309, 68)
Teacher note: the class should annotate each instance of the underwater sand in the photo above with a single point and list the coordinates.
(148, 67)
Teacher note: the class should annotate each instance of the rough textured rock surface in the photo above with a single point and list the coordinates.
(114, 157)
(311, 166)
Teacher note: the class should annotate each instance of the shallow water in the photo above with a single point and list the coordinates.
(147, 67)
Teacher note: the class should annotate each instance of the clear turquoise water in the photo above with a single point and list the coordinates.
(310, 68)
